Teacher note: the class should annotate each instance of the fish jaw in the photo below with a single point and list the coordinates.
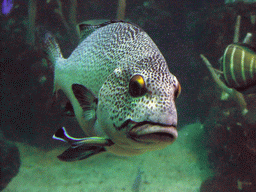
(152, 133)
(136, 138)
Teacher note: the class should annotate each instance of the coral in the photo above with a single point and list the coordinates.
(121, 9)
(230, 127)
(231, 146)
(32, 9)
(238, 97)
(230, 182)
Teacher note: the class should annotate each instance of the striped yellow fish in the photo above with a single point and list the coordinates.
(239, 67)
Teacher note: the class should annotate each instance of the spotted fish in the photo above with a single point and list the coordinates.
(121, 90)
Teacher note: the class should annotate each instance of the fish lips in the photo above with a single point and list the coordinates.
(153, 133)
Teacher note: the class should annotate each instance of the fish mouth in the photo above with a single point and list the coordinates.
(153, 132)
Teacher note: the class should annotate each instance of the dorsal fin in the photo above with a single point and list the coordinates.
(248, 47)
(86, 99)
(86, 29)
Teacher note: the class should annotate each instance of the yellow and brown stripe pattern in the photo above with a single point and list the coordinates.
(239, 67)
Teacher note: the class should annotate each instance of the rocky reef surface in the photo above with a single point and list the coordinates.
(9, 161)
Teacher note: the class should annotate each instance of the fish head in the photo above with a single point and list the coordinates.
(136, 108)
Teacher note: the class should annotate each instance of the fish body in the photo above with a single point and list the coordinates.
(120, 87)
(239, 67)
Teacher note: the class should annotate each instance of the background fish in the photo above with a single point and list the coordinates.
(120, 88)
(239, 67)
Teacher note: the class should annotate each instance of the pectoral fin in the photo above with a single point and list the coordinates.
(81, 148)
(87, 101)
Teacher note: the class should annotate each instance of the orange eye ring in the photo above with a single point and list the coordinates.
(178, 91)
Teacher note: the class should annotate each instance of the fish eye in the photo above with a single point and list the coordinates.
(178, 90)
(137, 86)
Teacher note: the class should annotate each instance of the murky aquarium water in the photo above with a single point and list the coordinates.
(128, 95)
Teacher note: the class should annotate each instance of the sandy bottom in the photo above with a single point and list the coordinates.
(181, 166)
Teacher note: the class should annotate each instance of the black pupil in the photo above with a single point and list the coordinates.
(136, 89)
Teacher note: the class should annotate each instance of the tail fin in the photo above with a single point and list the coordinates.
(53, 52)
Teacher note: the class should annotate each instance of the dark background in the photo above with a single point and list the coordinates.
(30, 113)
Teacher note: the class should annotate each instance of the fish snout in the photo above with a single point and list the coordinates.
(160, 128)
(166, 118)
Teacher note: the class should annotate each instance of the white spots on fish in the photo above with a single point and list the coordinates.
(104, 64)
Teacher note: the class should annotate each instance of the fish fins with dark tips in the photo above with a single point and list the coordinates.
(81, 148)
(80, 153)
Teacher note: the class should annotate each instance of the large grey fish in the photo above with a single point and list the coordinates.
(121, 90)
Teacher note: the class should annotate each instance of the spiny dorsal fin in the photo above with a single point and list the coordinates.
(86, 29)
(86, 99)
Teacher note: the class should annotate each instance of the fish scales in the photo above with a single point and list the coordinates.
(120, 88)
(101, 54)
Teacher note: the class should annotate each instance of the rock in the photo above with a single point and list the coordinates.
(9, 161)
(219, 184)
(235, 182)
